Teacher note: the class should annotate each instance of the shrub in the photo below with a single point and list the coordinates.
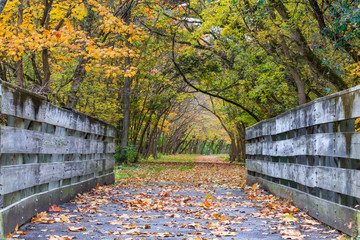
(125, 154)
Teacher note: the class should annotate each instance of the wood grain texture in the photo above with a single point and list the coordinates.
(16, 140)
(335, 107)
(342, 145)
(23, 104)
(21, 212)
(333, 214)
(340, 180)
(58, 152)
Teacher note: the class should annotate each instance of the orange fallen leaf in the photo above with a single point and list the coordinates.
(9, 236)
(223, 218)
(207, 204)
(54, 208)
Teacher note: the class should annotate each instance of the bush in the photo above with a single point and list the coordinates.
(125, 154)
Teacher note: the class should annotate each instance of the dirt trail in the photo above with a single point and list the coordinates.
(177, 201)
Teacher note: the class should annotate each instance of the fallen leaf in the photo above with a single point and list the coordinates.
(289, 218)
(56, 237)
(54, 208)
(116, 222)
(311, 222)
(76, 229)
(9, 236)
(208, 204)
(42, 218)
(291, 234)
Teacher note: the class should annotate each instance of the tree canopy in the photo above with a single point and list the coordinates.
(180, 76)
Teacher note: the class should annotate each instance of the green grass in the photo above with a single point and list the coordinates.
(174, 158)
(157, 169)
(124, 172)
(139, 171)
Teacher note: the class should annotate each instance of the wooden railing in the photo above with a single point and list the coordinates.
(311, 154)
(48, 155)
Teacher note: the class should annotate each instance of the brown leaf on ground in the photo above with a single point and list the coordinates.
(76, 229)
(291, 234)
(311, 222)
(42, 218)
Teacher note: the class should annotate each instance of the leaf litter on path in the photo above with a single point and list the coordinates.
(163, 200)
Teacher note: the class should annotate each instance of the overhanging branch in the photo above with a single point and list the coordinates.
(204, 91)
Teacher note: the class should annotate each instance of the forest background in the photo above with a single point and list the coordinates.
(180, 76)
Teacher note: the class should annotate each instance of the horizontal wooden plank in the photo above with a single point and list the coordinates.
(23, 104)
(332, 214)
(40, 173)
(336, 107)
(22, 211)
(340, 180)
(16, 140)
(342, 145)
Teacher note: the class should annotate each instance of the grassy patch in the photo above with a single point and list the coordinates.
(124, 172)
(174, 158)
(157, 169)
(119, 174)
(224, 157)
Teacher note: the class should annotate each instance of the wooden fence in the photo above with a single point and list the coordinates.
(48, 155)
(311, 154)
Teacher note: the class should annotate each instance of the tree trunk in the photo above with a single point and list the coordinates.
(211, 146)
(203, 147)
(154, 154)
(234, 150)
(300, 85)
(3, 72)
(46, 69)
(151, 139)
(126, 90)
(19, 63)
(240, 127)
(142, 135)
(77, 78)
(195, 148)
(37, 74)
(186, 146)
